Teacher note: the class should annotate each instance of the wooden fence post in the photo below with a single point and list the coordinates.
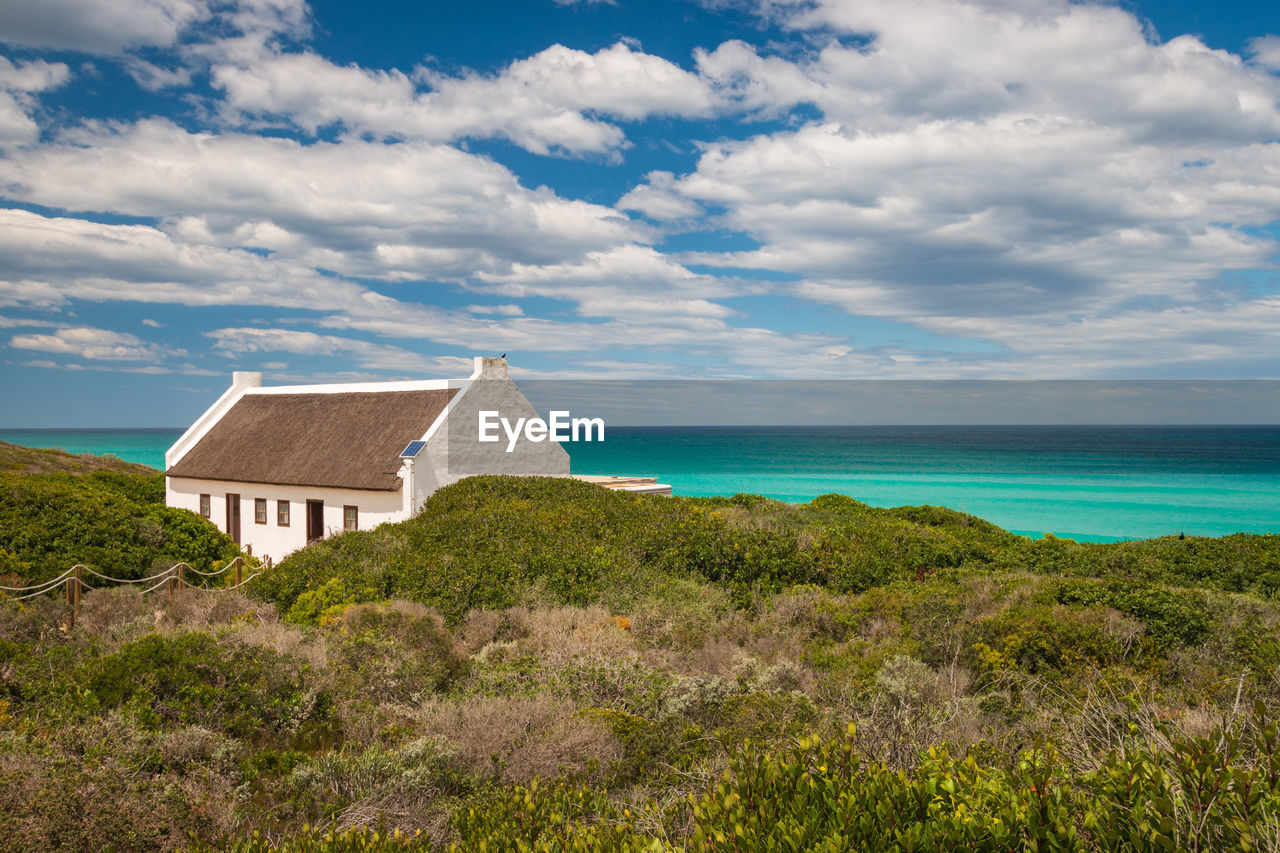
(239, 569)
(172, 582)
(72, 587)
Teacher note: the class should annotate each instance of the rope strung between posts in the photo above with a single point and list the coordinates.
(165, 577)
(163, 574)
(225, 568)
(218, 588)
(30, 595)
(154, 588)
(49, 583)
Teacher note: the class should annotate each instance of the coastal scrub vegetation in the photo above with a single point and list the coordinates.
(487, 541)
(546, 665)
(57, 510)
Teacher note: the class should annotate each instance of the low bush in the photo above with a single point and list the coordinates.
(489, 541)
(395, 652)
(113, 522)
(192, 679)
(1170, 616)
(358, 840)
(1056, 642)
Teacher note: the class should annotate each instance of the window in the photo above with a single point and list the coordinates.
(260, 510)
(205, 508)
(282, 513)
(350, 516)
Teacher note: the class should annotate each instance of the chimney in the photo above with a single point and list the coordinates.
(246, 379)
(490, 368)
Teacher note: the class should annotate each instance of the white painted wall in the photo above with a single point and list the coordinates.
(270, 539)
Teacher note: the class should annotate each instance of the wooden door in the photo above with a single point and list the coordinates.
(315, 521)
(233, 517)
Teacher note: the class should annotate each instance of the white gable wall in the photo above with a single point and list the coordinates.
(454, 451)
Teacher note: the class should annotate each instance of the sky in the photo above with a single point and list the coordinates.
(668, 189)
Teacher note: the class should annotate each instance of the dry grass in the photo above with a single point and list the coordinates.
(284, 639)
(116, 614)
(517, 738)
(560, 634)
(718, 656)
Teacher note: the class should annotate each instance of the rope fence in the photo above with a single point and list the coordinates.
(172, 578)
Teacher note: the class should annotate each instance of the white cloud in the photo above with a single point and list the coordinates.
(19, 83)
(96, 27)
(1040, 175)
(236, 342)
(711, 338)
(657, 199)
(109, 28)
(33, 75)
(154, 77)
(50, 260)
(1266, 52)
(504, 310)
(540, 103)
(94, 344)
(24, 323)
(629, 281)
(51, 364)
(763, 85)
(398, 212)
(185, 369)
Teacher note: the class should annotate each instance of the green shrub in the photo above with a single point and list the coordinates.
(1170, 616)
(362, 840)
(1042, 642)
(395, 652)
(81, 806)
(246, 691)
(113, 522)
(547, 818)
(1213, 793)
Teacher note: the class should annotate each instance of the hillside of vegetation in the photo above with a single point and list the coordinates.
(488, 541)
(547, 665)
(25, 460)
(57, 509)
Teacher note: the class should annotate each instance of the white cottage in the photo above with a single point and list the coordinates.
(278, 467)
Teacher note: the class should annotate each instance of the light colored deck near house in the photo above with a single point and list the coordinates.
(645, 485)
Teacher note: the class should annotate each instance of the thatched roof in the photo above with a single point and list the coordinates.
(345, 440)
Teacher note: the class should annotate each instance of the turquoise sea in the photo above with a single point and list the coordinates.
(1098, 483)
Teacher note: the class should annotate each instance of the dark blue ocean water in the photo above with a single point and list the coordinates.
(1096, 483)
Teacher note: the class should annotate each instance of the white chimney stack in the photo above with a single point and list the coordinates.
(490, 368)
(246, 379)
